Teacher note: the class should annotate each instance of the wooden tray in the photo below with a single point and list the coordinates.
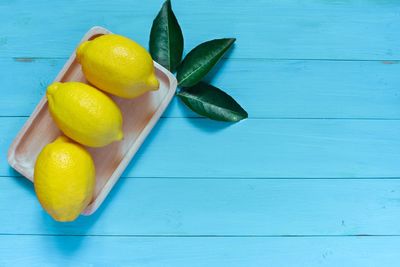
(139, 115)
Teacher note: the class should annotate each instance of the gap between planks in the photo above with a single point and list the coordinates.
(254, 118)
(241, 178)
(384, 61)
(204, 236)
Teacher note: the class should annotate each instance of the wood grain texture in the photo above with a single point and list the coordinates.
(264, 28)
(212, 207)
(198, 252)
(298, 148)
(320, 82)
(266, 88)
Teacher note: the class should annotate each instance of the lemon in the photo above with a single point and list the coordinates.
(64, 179)
(117, 65)
(84, 113)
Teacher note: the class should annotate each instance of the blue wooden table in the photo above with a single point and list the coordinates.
(310, 179)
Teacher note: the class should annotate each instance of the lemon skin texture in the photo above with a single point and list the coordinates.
(64, 179)
(84, 113)
(117, 65)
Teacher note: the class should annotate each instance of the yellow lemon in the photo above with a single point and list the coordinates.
(84, 113)
(64, 179)
(117, 65)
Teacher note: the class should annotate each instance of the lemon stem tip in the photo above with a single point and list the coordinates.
(52, 88)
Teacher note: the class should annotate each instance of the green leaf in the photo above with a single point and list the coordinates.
(166, 39)
(201, 60)
(212, 102)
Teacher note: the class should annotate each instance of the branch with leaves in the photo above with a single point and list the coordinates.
(166, 48)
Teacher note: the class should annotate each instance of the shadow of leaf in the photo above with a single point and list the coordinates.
(209, 126)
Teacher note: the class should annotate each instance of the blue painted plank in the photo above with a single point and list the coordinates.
(265, 29)
(361, 30)
(267, 89)
(217, 207)
(195, 252)
(189, 147)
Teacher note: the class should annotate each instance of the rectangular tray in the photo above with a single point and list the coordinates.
(139, 117)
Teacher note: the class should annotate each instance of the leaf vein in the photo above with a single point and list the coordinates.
(202, 65)
(210, 104)
(169, 36)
